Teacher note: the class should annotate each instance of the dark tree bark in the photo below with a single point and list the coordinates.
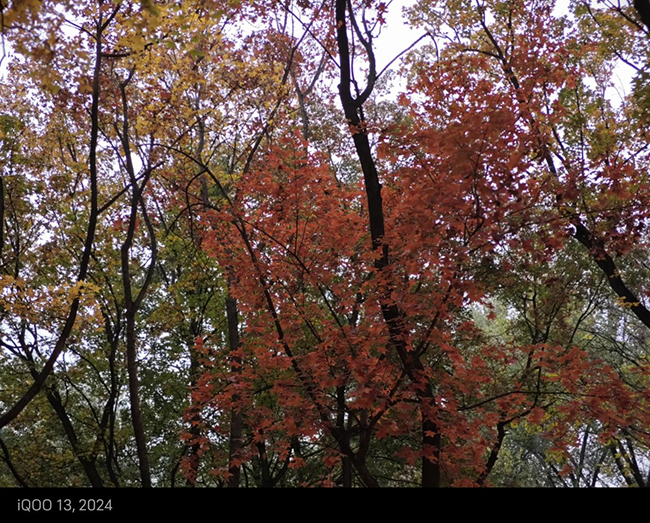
(608, 266)
(108, 418)
(132, 304)
(192, 448)
(88, 464)
(89, 239)
(643, 9)
(236, 418)
(7, 459)
(393, 317)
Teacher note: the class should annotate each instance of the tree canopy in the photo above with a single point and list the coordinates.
(241, 247)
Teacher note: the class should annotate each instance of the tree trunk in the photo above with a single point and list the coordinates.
(236, 420)
(393, 317)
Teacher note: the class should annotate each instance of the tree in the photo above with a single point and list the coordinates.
(284, 282)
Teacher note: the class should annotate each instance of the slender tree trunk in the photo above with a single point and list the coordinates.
(346, 464)
(431, 443)
(192, 459)
(232, 320)
(7, 459)
(55, 401)
(608, 266)
(494, 454)
(89, 466)
(136, 411)
(393, 317)
(89, 239)
(236, 420)
(132, 304)
(193, 447)
(110, 406)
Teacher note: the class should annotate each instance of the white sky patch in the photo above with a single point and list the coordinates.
(561, 8)
(622, 84)
(137, 163)
(396, 35)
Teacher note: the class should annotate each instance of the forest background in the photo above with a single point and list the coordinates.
(239, 248)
